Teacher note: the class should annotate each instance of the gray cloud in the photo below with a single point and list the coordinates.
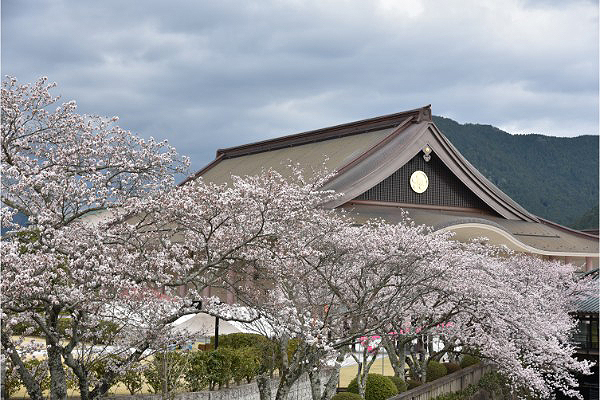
(207, 75)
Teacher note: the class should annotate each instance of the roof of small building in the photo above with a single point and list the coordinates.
(590, 305)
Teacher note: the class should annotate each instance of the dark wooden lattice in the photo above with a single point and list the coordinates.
(445, 189)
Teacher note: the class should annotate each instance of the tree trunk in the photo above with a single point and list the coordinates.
(430, 348)
(33, 388)
(314, 375)
(58, 378)
(3, 392)
(397, 354)
(363, 370)
(331, 385)
(264, 386)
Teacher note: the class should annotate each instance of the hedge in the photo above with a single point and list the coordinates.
(217, 368)
(266, 348)
(378, 387)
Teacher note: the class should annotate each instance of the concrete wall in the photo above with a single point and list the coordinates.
(450, 383)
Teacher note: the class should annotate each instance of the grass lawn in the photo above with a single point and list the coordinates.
(378, 367)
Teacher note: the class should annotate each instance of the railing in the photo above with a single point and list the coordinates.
(453, 382)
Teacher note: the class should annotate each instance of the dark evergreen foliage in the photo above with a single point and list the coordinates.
(399, 382)
(435, 370)
(451, 367)
(346, 396)
(555, 178)
(468, 360)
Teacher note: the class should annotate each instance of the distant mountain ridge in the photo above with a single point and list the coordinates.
(555, 178)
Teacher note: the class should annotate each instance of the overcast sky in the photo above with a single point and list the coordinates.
(212, 74)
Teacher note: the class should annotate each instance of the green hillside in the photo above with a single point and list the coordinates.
(553, 177)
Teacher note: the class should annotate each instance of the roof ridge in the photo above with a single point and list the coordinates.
(317, 135)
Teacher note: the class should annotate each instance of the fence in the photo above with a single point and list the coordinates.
(450, 383)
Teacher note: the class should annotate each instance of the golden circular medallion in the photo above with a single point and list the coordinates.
(419, 181)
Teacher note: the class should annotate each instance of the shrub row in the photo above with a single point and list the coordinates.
(239, 358)
(378, 389)
(203, 369)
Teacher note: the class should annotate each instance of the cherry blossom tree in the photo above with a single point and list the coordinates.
(340, 286)
(511, 308)
(113, 253)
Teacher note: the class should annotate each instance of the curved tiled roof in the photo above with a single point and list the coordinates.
(365, 153)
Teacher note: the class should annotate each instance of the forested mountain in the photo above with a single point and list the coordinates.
(553, 177)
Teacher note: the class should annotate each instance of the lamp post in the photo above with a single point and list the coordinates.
(216, 332)
(198, 305)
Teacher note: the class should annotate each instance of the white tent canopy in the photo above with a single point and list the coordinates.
(204, 325)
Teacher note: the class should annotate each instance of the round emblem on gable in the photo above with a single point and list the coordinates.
(419, 181)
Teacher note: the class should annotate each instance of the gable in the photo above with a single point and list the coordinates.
(444, 189)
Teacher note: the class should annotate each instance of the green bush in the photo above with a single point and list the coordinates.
(97, 369)
(435, 370)
(219, 367)
(451, 367)
(245, 364)
(468, 360)
(132, 379)
(378, 387)
(346, 396)
(40, 372)
(196, 374)
(238, 340)
(399, 382)
(166, 368)
(266, 348)
(412, 383)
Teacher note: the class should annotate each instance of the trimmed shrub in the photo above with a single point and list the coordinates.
(468, 360)
(413, 383)
(265, 348)
(451, 367)
(219, 367)
(245, 364)
(237, 340)
(435, 370)
(378, 387)
(346, 396)
(196, 372)
(399, 382)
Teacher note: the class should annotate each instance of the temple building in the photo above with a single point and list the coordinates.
(402, 163)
